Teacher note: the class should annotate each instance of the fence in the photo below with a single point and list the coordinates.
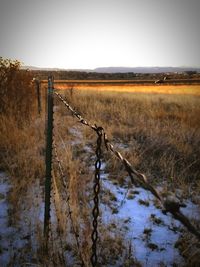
(169, 204)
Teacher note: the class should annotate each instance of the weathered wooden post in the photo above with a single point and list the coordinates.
(49, 146)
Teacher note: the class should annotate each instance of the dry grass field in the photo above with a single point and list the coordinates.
(133, 88)
(158, 133)
(157, 128)
(161, 130)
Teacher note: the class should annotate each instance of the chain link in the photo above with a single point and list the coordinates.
(138, 179)
(75, 113)
(96, 189)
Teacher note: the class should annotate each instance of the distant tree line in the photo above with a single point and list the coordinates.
(81, 75)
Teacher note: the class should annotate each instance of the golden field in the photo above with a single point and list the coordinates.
(149, 89)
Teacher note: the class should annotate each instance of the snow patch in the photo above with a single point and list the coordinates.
(152, 234)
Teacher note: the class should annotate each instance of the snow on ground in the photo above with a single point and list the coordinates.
(152, 234)
(19, 242)
(10, 241)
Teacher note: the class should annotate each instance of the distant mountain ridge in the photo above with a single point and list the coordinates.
(122, 69)
(145, 69)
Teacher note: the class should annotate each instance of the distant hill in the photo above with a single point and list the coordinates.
(121, 69)
(144, 69)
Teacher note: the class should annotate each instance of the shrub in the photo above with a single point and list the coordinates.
(17, 92)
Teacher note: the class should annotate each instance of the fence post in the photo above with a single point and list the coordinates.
(49, 141)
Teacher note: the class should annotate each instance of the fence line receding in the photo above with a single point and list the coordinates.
(169, 204)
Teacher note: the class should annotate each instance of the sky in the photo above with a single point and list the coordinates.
(85, 34)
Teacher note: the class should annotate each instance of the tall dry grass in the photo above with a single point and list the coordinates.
(21, 132)
(160, 134)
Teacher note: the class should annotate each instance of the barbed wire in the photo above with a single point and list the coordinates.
(169, 204)
(52, 250)
(67, 194)
(55, 192)
(60, 167)
(96, 188)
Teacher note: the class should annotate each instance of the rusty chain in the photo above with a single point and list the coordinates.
(75, 113)
(169, 204)
(96, 188)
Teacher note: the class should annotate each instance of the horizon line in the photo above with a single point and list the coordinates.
(110, 67)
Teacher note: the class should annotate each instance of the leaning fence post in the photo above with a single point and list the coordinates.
(49, 141)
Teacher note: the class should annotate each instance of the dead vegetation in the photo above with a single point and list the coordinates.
(21, 132)
(159, 135)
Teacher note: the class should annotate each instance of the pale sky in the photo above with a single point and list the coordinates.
(90, 33)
